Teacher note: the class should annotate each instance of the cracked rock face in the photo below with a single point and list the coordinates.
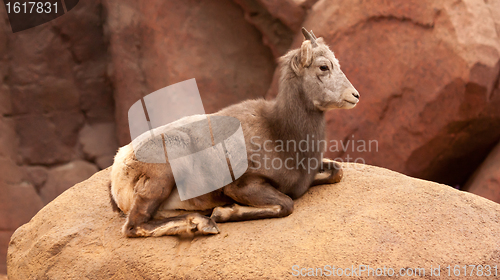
(373, 217)
(428, 74)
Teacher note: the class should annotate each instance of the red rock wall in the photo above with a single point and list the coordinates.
(154, 44)
(427, 72)
(57, 123)
(486, 179)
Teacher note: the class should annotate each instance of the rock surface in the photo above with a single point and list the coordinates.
(428, 74)
(19, 202)
(155, 44)
(53, 81)
(428, 82)
(64, 177)
(374, 217)
(486, 180)
(99, 143)
(58, 82)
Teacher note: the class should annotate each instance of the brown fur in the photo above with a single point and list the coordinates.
(144, 191)
(114, 206)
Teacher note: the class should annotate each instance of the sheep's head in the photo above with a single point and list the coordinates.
(323, 83)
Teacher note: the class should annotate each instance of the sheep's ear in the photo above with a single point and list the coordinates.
(306, 54)
(295, 64)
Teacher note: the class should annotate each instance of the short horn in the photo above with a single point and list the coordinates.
(310, 37)
(314, 36)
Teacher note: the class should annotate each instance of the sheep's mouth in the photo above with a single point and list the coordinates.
(349, 104)
(334, 105)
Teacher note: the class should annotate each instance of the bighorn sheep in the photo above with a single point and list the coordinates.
(311, 83)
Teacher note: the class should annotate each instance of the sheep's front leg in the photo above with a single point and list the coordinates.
(261, 199)
(330, 173)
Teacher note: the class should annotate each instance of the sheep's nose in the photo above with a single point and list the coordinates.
(355, 94)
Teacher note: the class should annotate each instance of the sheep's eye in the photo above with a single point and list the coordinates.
(324, 68)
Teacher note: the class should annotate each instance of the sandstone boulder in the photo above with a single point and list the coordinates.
(374, 217)
(427, 72)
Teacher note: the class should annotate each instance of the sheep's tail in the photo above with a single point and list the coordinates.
(122, 179)
(114, 206)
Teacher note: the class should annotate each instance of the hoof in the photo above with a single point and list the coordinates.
(338, 174)
(210, 230)
(221, 214)
(131, 231)
(204, 225)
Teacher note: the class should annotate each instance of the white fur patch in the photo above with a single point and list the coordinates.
(122, 188)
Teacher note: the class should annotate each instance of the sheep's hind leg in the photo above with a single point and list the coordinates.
(150, 192)
(263, 201)
(330, 173)
(178, 225)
